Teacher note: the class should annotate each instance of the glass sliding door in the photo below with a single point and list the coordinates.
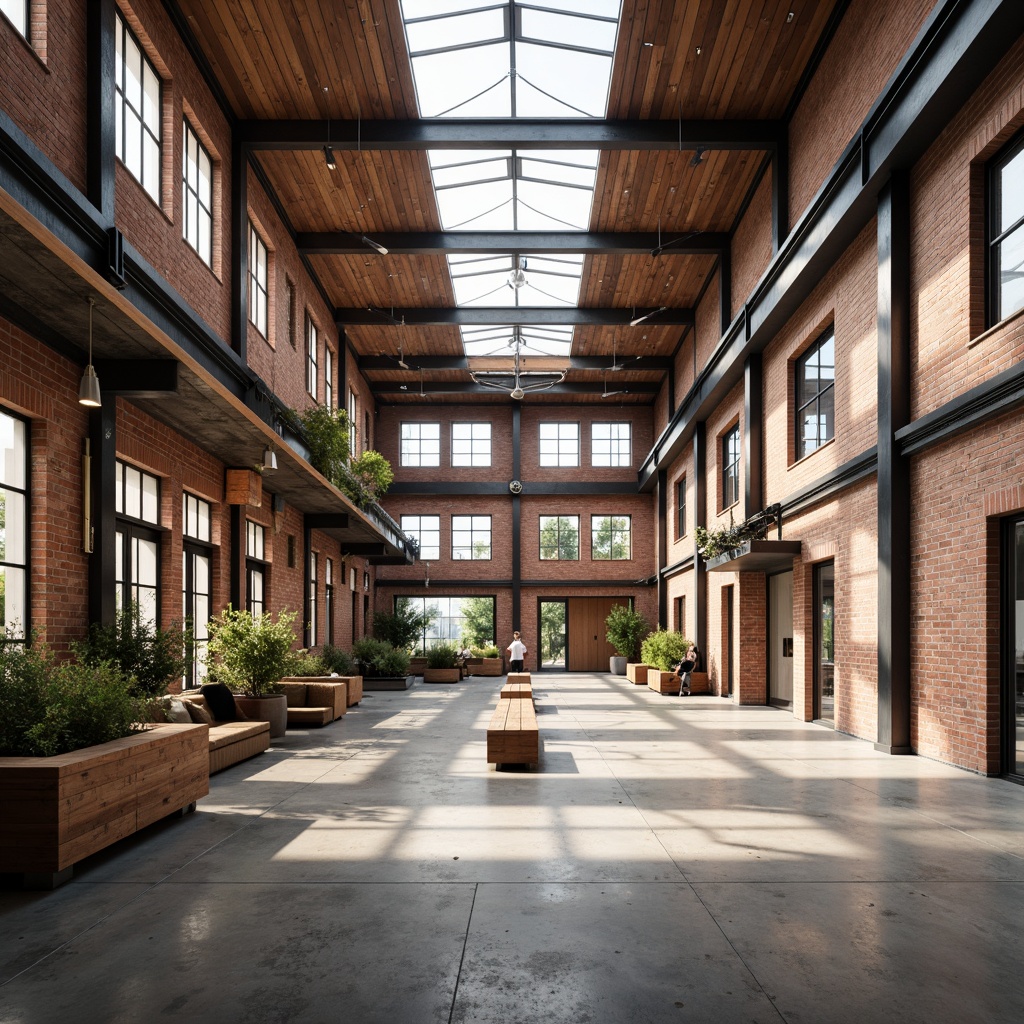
(554, 632)
(824, 639)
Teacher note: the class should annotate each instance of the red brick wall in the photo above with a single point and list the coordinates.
(751, 249)
(750, 608)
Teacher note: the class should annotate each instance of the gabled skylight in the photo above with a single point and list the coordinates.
(506, 58)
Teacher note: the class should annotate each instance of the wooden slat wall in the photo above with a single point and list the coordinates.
(586, 621)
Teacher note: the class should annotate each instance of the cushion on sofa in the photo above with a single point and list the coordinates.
(175, 710)
(198, 713)
(227, 733)
(220, 702)
(294, 694)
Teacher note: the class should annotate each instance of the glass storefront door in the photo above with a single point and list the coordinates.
(553, 634)
(824, 629)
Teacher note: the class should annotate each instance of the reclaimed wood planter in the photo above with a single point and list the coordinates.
(637, 673)
(55, 811)
(417, 665)
(488, 667)
(699, 682)
(441, 675)
(662, 682)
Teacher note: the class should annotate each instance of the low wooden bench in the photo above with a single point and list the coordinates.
(517, 690)
(512, 735)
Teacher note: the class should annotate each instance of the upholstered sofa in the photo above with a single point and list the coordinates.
(315, 702)
(230, 742)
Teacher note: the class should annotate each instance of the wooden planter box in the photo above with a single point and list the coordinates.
(417, 665)
(55, 811)
(489, 667)
(662, 682)
(637, 673)
(699, 682)
(441, 675)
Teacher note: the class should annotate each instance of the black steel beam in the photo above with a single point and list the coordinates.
(239, 248)
(658, 364)
(518, 133)
(99, 68)
(433, 243)
(753, 434)
(662, 552)
(472, 388)
(327, 520)
(700, 570)
(138, 378)
(523, 316)
(531, 488)
(103, 485)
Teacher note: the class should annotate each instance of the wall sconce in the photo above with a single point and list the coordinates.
(269, 458)
(89, 388)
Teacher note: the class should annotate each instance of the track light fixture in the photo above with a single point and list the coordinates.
(376, 246)
(698, 156)
(517, 277)
(89, 388)
(637, 320)
(332, 164)
(269, 458)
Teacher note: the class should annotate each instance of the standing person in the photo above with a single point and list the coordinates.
(516, 653)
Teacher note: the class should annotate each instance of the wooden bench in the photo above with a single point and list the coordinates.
(512, 736)
(517, 690)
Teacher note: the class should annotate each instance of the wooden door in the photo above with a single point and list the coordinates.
(589, 651)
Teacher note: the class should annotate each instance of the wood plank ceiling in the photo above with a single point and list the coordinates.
(348, 60)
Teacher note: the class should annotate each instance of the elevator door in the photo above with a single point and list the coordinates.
(780, 639)
(589, 651)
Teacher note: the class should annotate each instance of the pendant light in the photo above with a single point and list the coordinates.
(89, 388)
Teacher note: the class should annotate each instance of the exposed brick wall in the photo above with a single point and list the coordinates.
(729, 412)
(866, 49)
(751, 249)
(750, 600)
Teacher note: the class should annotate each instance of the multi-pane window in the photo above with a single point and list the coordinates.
(13, 528)
(610, 537)
(471, 444)
(17, 13)
(328, 377)
(421, 444)
(259, 281)
(312, 343)
(196, 582)
(137, 110)
(559, 444)
(451, 619)
(610, 444)
(815, 395)
(681, 508)
(289, 309)
(560, 538)
(197, 195)
(353, 424)
(1006, 231)
(255, 569)
(312, 636)
(731, 467)
(137, 553)
(427, 531)
(471, 537)
(329, 598)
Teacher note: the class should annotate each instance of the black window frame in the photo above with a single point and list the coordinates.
(259, 294)
(799, 409)
(124, 32)
(472, 531)
(681, 508)
(994, 312)
(25, 32)
(731, 454)
(255, 566)
(24, 566)
(557, 556)
(190, 196)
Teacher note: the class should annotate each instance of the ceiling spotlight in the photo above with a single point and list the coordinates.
(269, 458)
(332, 164)
(790, 17)
(646, 316)
(376, 246)
(698, 156)
(89, 388)
(401, 359)
(517, 278)
(517, 393)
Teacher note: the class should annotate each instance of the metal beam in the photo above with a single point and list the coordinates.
(518, 133)
(433, 243)
(476, 316)
(652, 364)
(469, 388)
(138, 378)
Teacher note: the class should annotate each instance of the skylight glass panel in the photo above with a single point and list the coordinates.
(560, 83)
(446, 33)
(464, 83)
(569, 29)
(473, 171)
(534, 339)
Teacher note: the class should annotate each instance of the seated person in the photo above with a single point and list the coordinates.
(683, 670)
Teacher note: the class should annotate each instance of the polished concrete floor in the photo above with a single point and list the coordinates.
(673, 859)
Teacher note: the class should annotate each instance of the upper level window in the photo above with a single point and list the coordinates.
(137, 494)
(255, 568)
(421, 444)
(17, 13)
(353, 427)
(609, 444)
(560, 538)
(312, 342)
(681, 508)
(1006, 231)
(427, 531)
(289, 310)
(14, 512)
(328, 377)
(137, 551)
(731, 467)
(610, 537)
(259, 282)
(137, 110)
(559, 444)
(471, 444)
(197, 195)
(195, 518)
(815, 395)
(471, 537)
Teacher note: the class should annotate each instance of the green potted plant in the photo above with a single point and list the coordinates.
(491, 661)
(626, 627)
(63, 727)
(383, 666)
(664, 649)
(251, 653)
(442, 664)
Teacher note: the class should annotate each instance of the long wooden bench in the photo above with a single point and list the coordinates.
(516, 691)
(512, 735)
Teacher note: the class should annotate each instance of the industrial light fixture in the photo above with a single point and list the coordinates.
(89, 388)
(376, 246)
(698, 156)
(517, 277)
(332, 164)
(518, 390)
(637, 320)
(269, 458)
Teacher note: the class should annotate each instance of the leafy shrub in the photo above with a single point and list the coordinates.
(148, 656)
(336, 660)
(379, 658)
(626, 628)
(52, 708)
(664, 648)
(252, 652)
(490, 651)
(325, 431)
(305, 663)
(402, 629)
(372, 475)
(443, 656)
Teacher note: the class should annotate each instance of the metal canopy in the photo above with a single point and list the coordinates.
(757, 556)
(656, 364)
